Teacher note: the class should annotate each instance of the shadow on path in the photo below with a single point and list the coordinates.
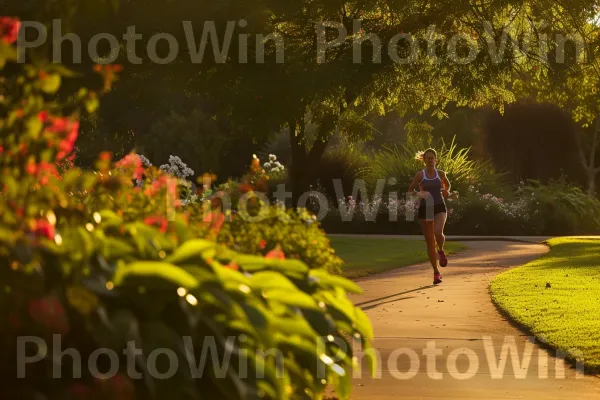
(370, 306)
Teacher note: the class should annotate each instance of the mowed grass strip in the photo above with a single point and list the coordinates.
(557, 298)
(368, 256)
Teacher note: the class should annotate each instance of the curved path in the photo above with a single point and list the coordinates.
(446, 341)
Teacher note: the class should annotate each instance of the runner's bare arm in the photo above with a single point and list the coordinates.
(445, 183)
(415, 182)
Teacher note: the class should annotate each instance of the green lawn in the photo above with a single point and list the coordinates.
(557, 297)
(366, 256)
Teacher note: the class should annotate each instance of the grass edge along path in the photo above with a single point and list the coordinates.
(556, 298)
(369, 256)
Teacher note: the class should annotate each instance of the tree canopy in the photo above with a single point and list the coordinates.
(364, 62)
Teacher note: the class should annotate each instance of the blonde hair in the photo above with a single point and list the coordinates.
(430, 150)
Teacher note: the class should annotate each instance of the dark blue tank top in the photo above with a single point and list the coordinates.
(434, 186)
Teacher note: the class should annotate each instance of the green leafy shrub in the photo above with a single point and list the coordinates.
(401, 163)
(104, 262)
(558, 208)
(562, 208)
(296, 232)
(345, 163)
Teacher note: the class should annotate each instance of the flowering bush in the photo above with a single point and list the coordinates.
(177, 168)
(273, 168)
(104, 262)
(531, 209)
(296, 232)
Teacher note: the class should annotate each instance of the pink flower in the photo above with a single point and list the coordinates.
(132, 161)
(9, 29)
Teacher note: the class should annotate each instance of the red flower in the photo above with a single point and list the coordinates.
(31, 167)
(217, 222)
(161, 222)
(157, 185)
(1, 149)
(262, 244)
(48, 168)
(276, 253)
(43, 227)
(245, 187)
(49, 313)
(232, 265)
(9, 29)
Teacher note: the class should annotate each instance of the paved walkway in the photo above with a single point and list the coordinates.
(409, 314)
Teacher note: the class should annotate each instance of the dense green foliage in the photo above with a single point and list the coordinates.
(109, 256)
(296, 233)
(333, 97)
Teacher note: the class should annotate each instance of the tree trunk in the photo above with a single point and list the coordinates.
(298, 169)
(305, 162)
(591, 187)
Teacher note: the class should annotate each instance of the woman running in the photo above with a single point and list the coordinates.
(434, 187)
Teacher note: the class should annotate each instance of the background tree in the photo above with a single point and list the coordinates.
(259, 99)
(572, 82)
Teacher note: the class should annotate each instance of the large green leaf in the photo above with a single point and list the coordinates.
(162, 270)
(266, 280)
(109, 217)
(291, 298)
(293, 326)
(326, 280)
(253, 263)
(116, 248)
(193, 251)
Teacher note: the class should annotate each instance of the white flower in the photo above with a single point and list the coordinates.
(272, 157)
(177, 167)
(145, 161)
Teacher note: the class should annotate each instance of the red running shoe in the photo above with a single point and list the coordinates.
(437, 279)
(443, 259)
